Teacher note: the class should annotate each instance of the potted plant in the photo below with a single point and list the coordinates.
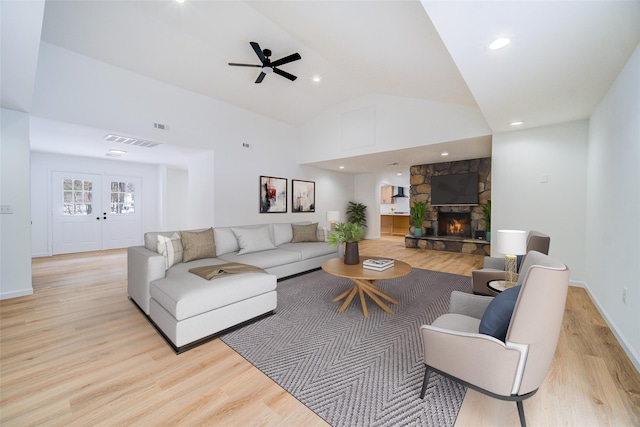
(486, 211)
(418, 215)
(357, 213)
(349, 234)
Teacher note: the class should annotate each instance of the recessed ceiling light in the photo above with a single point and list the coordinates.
(399, 174)
(499, 43)
(444, 154)
(316, 79)
(115, 152)
(180, 1)
(341, 167)
(517, 123)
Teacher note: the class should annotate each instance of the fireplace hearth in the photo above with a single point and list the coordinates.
(454, 224)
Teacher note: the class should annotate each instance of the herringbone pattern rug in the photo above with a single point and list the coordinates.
(351, 370)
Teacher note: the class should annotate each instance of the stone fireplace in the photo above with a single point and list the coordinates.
(453, 228)
(454, 224)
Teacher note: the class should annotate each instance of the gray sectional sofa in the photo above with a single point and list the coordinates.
(188, 309)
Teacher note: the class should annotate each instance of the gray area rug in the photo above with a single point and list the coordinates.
(351, 370)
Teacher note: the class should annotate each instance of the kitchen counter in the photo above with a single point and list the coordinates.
(396, 224)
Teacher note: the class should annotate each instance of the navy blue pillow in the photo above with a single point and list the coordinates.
(496, 318)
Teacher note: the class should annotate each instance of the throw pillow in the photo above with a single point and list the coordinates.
(171, 249)
(282, 233)
(253, 239)
(226, 242)
(496, 318)
(305, 233)
(197, 245)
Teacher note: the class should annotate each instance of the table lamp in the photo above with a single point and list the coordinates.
(511, 243)
(333, 217)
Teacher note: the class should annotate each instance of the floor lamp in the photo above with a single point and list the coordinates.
(511, 243)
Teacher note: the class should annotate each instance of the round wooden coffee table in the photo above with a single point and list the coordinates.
(364, 281)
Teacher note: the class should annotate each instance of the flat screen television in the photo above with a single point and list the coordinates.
(458, 189)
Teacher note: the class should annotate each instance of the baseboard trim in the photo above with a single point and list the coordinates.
(16, 294)
(626, 347)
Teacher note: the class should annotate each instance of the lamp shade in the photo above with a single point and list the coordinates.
(512, 242)
(333, 216)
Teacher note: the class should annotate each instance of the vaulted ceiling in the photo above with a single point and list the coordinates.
(563, 55)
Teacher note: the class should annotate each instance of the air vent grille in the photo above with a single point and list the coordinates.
(131, 141)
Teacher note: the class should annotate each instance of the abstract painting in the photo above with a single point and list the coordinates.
(273, 194)
(303, 196)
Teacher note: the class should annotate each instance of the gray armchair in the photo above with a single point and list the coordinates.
(511, 368)
(493, 267)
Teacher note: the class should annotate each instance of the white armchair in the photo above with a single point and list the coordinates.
(512, 366)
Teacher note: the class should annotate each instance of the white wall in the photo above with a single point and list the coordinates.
(367, 192)
(519, 199)
(391, 123)
(15, 247)
(175, 199)
(613, 207)
(43, 164)
(201, 201)
(130, 103)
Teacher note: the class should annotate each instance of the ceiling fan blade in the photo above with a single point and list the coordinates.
(260, 77)
(284, 74)
(244, 65)
(256, 48)
(286, 59)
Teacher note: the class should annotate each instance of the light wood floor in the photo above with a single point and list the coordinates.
(78, 352)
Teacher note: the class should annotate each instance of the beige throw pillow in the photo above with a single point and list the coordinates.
(171, 249)
(198, 244)
(305, 233)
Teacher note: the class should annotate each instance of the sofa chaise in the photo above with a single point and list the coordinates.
(188, 309)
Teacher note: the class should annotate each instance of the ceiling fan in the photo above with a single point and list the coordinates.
(268, 66)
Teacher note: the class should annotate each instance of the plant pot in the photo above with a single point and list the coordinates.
(417, 231)
(351, 254)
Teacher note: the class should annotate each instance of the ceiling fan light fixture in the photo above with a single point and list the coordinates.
(267, 66)
(499, 43)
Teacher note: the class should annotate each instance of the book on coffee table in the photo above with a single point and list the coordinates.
(378, 264)
(368, 267)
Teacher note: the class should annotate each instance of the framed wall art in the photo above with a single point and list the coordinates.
(303, 196)
(273, 194)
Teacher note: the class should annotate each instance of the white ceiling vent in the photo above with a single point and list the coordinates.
(131, 141)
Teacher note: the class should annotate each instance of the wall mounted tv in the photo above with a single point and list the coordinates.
(457, 189)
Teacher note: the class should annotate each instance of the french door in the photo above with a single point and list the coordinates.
(94, 212)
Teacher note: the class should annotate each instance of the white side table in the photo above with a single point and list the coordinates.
(497, 285)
